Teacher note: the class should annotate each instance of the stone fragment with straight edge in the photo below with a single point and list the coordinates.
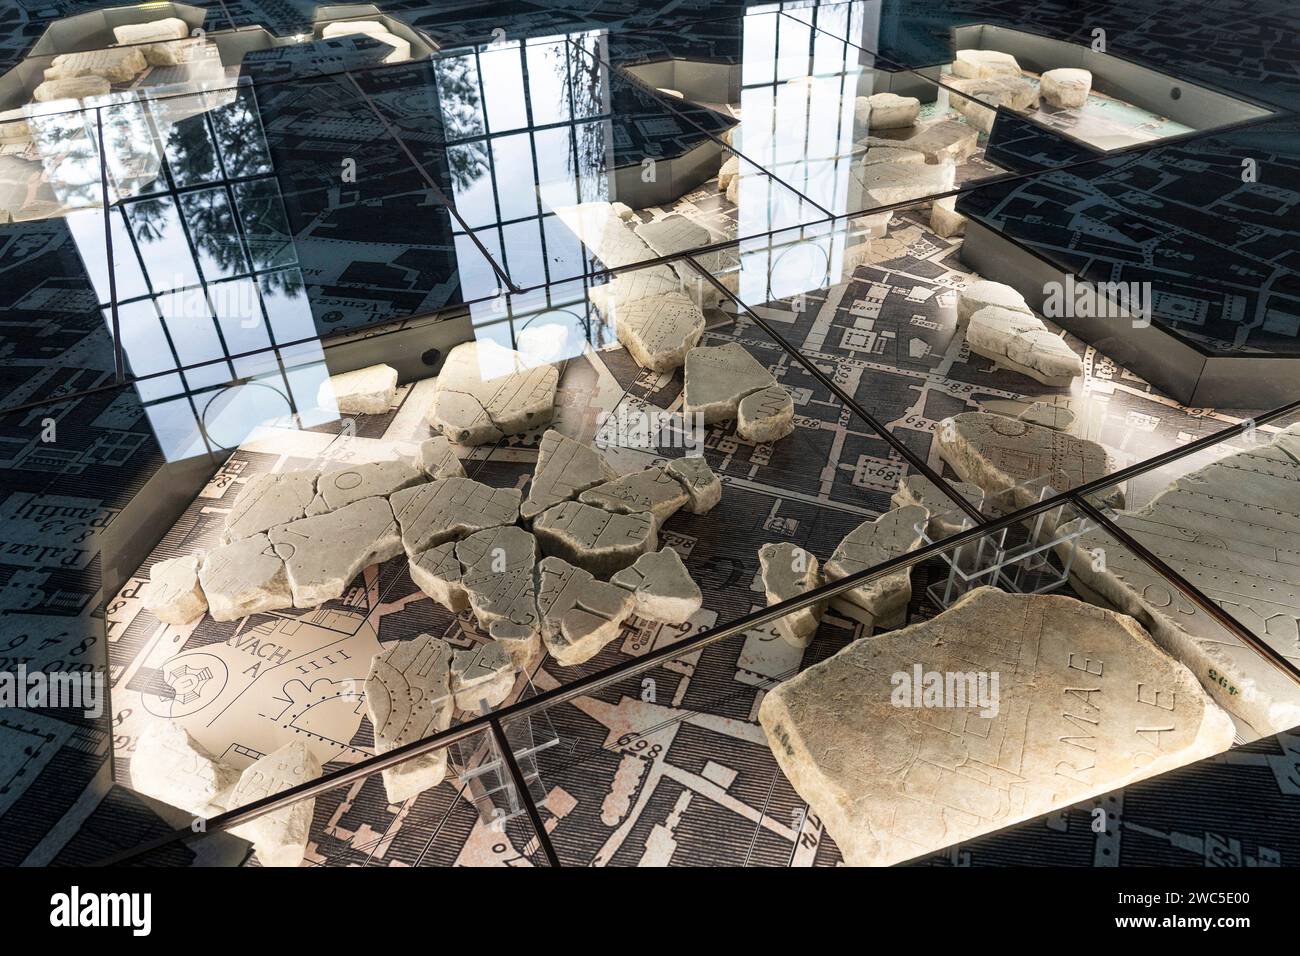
(1084, 703)
(982, 293)
(440, 511)
(942, 141)
(243, 578)
(486, 391)
(662, 589)
(1024, 344)
(279, 837)
(702, 486)
(363, 391)
(891, 111)
(117, 64)
(1066, 87)
(170, 765)
(565, 469)
(323, 553)
(497, 575)
(984, 63)
(652, 490)
(1056, 415)
(439, 459)
(718, 377)
(335, 489)
(437, 573)
(600, 541)
(789, 571)
(173, 594)
(946, 516)
(167, 28)
(482, 676)
(880, 601)
(408, 698)
(983, 95)
(580, 615)
(72, 88)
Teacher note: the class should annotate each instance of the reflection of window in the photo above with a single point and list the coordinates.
(204, 271)
(528, 125)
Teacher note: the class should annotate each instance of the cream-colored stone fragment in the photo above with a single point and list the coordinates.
(154, 31)
(116, 65)
(597, 540)
(323, 553)
(1023, 344)
(659, 332)
(437, 573)
(652, 490)
(243, 578)
(482, 676)
(945, 220)
(891, 111)
(268, 500)
(984, 63)
(766, 415)
(580, 615)
(371, 28)
(889, 154)
(363, 391)
(662, 589)
(941, 141)
(335, 489)
(75, 88)
(170, 765)
(1008, 457)
(409, 698)
(728, 171)
(600, 227)
(487, 391)
(703, 487)
(565, 469)
(439, 459)
(789, 571)
(718, 377)
(885, 184)
(1232, 528)
(946, 516)
(279, 837)
(880, 601)
(981, 294)
(1085, 703)
(173, 594)
(1055, 415)
(1066, 87)
(675, 234)
(983, 95)
(440, 511)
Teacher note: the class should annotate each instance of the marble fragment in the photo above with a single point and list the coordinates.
(173, 594)
(880, 601)
(580, 615)
(497, 575)
(1085, 703)
(363, 391)
(945, 220)
(891, 111)
(728, 171)
(659, 331)
(983, 95)
(885, 184)
(788, 571)
(279, 837)
(565, 469)
(984, 64)
(703, 487)
(597, 540)
(981, 294)
(718, 377)
(676, 234)
(890, 154)
(662, 589)
(1008, 457)
(1023, 344)
(1050, 415)
(601, 228)
(487, 391)
(409, 698)
(339, 488)
(322, 554)
(167, 28)
(116, 65)
(437, 572)
(652, 490)
(74, 88)
(170, 765)
(371, 28)
(941, 141)
(482, 676)
(439, 459)
(1067, 87)
(268, 500)
(1232, 527)
(243, 578)
(766, 415)
(440, 511)
(946, 516)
